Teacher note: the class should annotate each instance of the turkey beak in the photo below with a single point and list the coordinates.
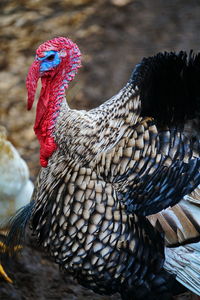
(31, 82)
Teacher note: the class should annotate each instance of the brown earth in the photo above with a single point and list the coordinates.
(113, 36)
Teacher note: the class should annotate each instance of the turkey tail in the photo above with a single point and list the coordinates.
(184, 262)
(16, 230)
(180, 223)
(169, 88)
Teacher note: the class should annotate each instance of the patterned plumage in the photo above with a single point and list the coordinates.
(106, 169)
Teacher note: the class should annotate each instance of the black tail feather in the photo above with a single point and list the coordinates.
(169, 87)
(16, 230)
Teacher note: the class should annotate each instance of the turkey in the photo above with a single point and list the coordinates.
(106, 170)
(15, 186)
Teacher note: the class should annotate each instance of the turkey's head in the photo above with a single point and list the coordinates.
(57, 59)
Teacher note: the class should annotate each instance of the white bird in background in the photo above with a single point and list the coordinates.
(15, 186)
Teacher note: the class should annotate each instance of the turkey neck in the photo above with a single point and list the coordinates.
(48, 108)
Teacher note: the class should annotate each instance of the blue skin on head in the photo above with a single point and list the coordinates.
(49, 61)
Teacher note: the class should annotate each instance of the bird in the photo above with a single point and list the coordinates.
(15, 187)
(110, 175)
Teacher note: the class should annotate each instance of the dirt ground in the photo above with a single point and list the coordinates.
(113, 36)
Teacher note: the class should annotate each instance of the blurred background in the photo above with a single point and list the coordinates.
(113, 36)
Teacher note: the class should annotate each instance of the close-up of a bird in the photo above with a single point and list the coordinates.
(15, 186)
(116, 203)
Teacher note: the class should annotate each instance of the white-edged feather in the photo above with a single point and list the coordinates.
(184, 263)
(181, 224)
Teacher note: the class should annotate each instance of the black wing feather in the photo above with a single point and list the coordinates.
(169, 87)
(163, 188)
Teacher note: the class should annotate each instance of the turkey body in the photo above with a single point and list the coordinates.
(85, 227)
(105, 170)
(82, 220)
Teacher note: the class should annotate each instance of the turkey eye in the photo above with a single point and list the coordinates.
(50, 57)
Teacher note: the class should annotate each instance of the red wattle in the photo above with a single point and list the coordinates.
(43, 121)
(42, 105)
(47, 148)
(31, 82)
